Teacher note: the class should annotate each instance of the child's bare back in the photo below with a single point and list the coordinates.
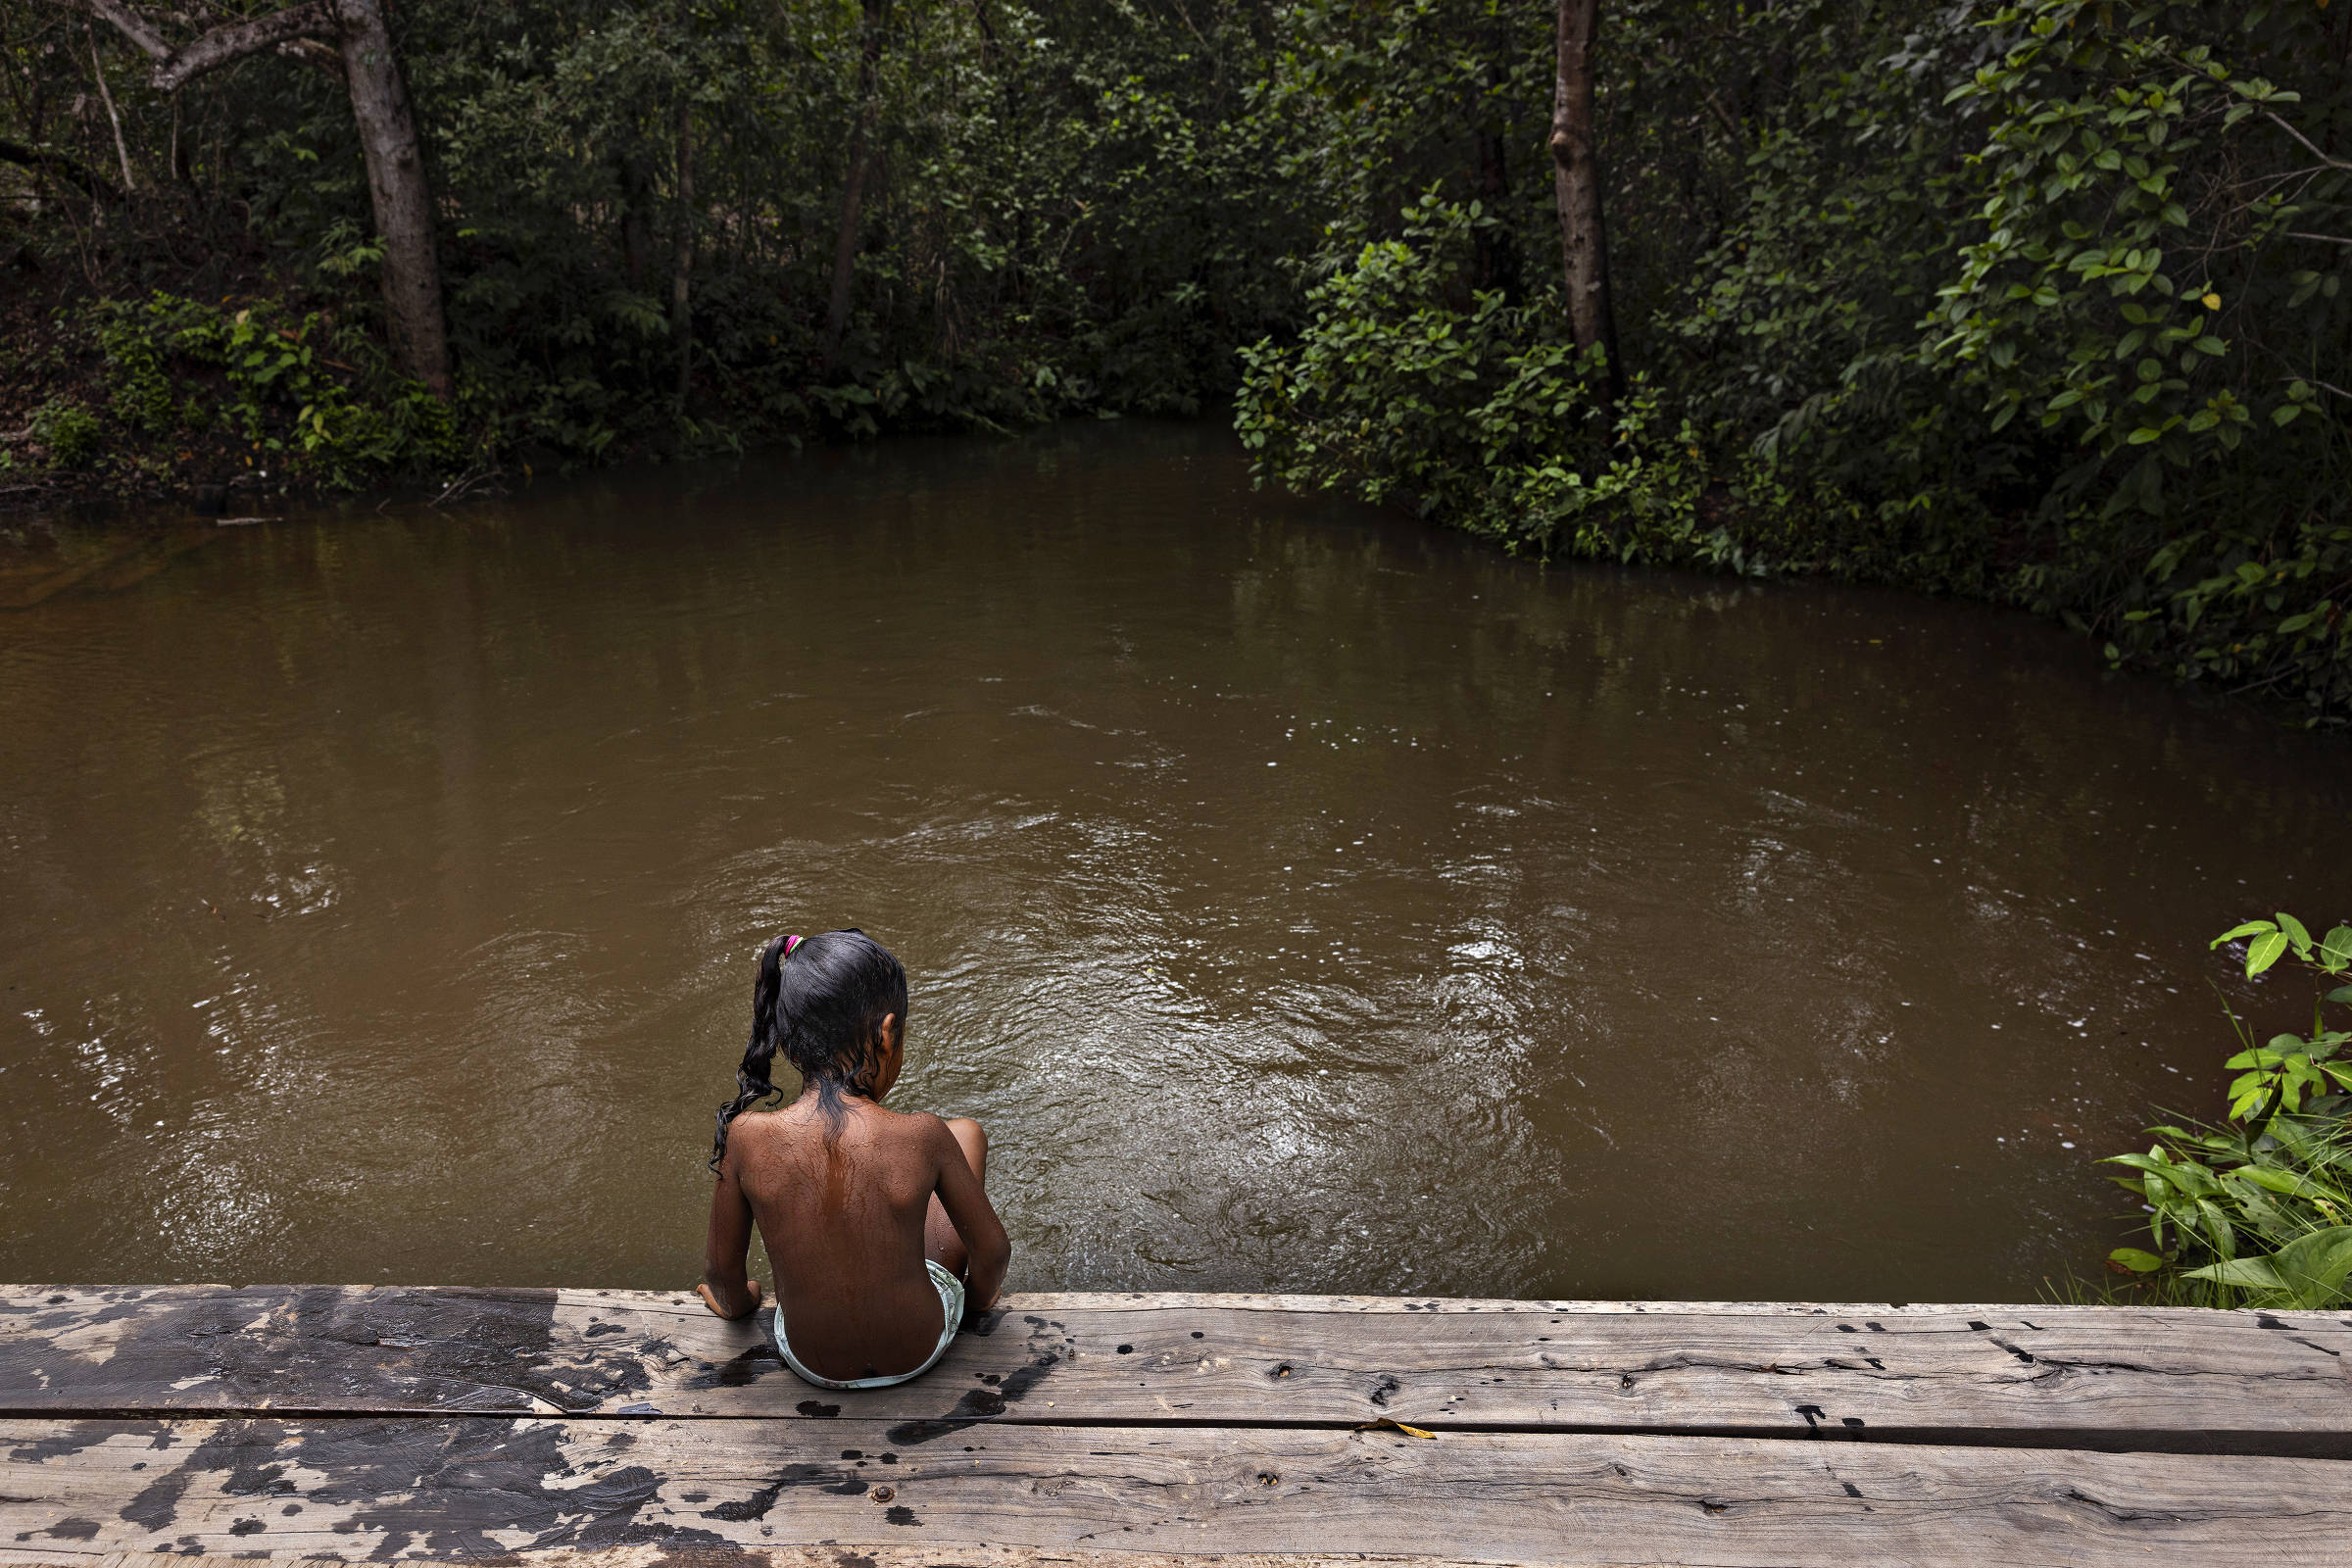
(877, 1223)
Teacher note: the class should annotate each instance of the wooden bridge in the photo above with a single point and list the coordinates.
(1152, 1431)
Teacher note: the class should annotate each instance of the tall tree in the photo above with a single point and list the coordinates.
(862, 153)
(364, 62)
(1495, 258)
(1576, 183)
(681, 273)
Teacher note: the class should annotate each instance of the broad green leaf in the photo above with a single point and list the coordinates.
(2265, 952)
(2220, 1234)
(2312, 1269)
(2137, 1262)
(2296, 934)
(2252, 928)
(2335, 949)
(2280, 1182)
(2247, 1273)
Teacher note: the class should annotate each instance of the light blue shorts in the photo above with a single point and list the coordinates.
(950, 1303)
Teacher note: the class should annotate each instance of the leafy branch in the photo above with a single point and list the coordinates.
(2278, 1174)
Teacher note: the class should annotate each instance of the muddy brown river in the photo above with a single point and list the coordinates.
(1307, 901)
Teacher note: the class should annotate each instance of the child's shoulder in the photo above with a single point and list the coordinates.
(760, 1128)
(914, 1126)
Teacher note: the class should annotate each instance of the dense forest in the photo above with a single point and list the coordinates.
(2039, 302)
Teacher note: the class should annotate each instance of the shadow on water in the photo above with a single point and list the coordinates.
(1306, 900)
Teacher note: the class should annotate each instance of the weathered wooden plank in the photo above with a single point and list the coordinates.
(2222, 1382)
(473, 1486)
(1252, 1302)
(870, 1556)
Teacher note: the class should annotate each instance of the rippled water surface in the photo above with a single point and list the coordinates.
(1306, 899)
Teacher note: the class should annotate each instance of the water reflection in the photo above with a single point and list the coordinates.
(1306, 900)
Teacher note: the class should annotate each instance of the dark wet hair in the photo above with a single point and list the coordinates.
(818, 1000)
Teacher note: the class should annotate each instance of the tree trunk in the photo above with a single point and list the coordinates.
(1576, 182)
(1495, 258)
(379, 103)
(403, 205)
(853, 196)
(131, 181)
(1494, 263)
(636, 228)
(681, 275)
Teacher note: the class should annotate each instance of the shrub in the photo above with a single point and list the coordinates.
(2257, 1211)
(302, 389)
(69, 431)
(1407, 385)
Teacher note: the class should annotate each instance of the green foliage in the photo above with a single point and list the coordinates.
(279, 384)
(2092, 303)
(2155, 202)
(2258, 1211)
(1064, 213)
(1409, 385)
(70, 433)
(1898, 228)
(1066, 208)
(2040, 302)
(140, 388)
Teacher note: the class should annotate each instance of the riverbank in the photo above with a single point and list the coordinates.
(256, 401)
(252, 458)
(288, 1422)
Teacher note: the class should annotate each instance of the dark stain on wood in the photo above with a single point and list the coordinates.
(740, 1371)
(441, 1486)
(349, 1422)
(65, 1529)
(443, 1349)
(1661, 1368)
(826, 1477)
(498, 1489)
(50, 1446)
(977, 1404)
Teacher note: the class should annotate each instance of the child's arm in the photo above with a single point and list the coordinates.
(725, 1289)
(986, 1247)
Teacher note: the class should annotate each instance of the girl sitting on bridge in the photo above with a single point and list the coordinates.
(877, 1224)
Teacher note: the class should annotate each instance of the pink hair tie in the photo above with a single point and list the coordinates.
(791, 943)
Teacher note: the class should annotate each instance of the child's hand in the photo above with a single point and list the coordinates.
(750, 1293)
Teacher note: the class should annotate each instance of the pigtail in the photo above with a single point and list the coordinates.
(760, 1054)
(843, 984)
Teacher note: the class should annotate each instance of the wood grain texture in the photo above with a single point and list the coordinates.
(2098, 1376)
(870, 1556)
(474, 1486)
